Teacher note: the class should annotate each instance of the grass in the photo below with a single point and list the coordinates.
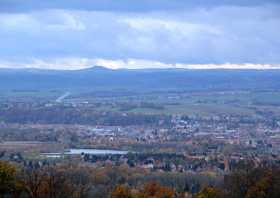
(198, 103)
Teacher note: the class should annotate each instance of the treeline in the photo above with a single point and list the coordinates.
(246, 183)
(70, 115)
(77, 181)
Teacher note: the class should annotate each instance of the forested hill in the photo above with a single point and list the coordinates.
(99, 78)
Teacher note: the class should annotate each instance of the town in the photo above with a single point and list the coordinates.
(178, 142)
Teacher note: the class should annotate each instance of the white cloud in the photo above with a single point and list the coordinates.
(68, 63)
(197, 37)
(186, 28)
(72, 63)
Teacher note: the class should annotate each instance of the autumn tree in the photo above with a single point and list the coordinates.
(209, 192)
(267, 186)
(155, 190)
(33, 181)
(8, 181)
(121, 192)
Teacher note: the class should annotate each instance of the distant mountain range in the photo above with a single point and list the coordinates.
(102, 79)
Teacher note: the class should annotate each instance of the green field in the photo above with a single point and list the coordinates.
(189, 103)
(238, 103)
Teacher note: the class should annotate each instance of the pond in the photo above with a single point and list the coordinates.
(94, 152)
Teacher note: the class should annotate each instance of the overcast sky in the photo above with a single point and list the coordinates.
(74, 34)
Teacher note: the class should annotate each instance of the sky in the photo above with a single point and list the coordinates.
(196, 34)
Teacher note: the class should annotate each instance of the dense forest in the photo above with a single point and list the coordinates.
(72, 115)
(72, 180)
